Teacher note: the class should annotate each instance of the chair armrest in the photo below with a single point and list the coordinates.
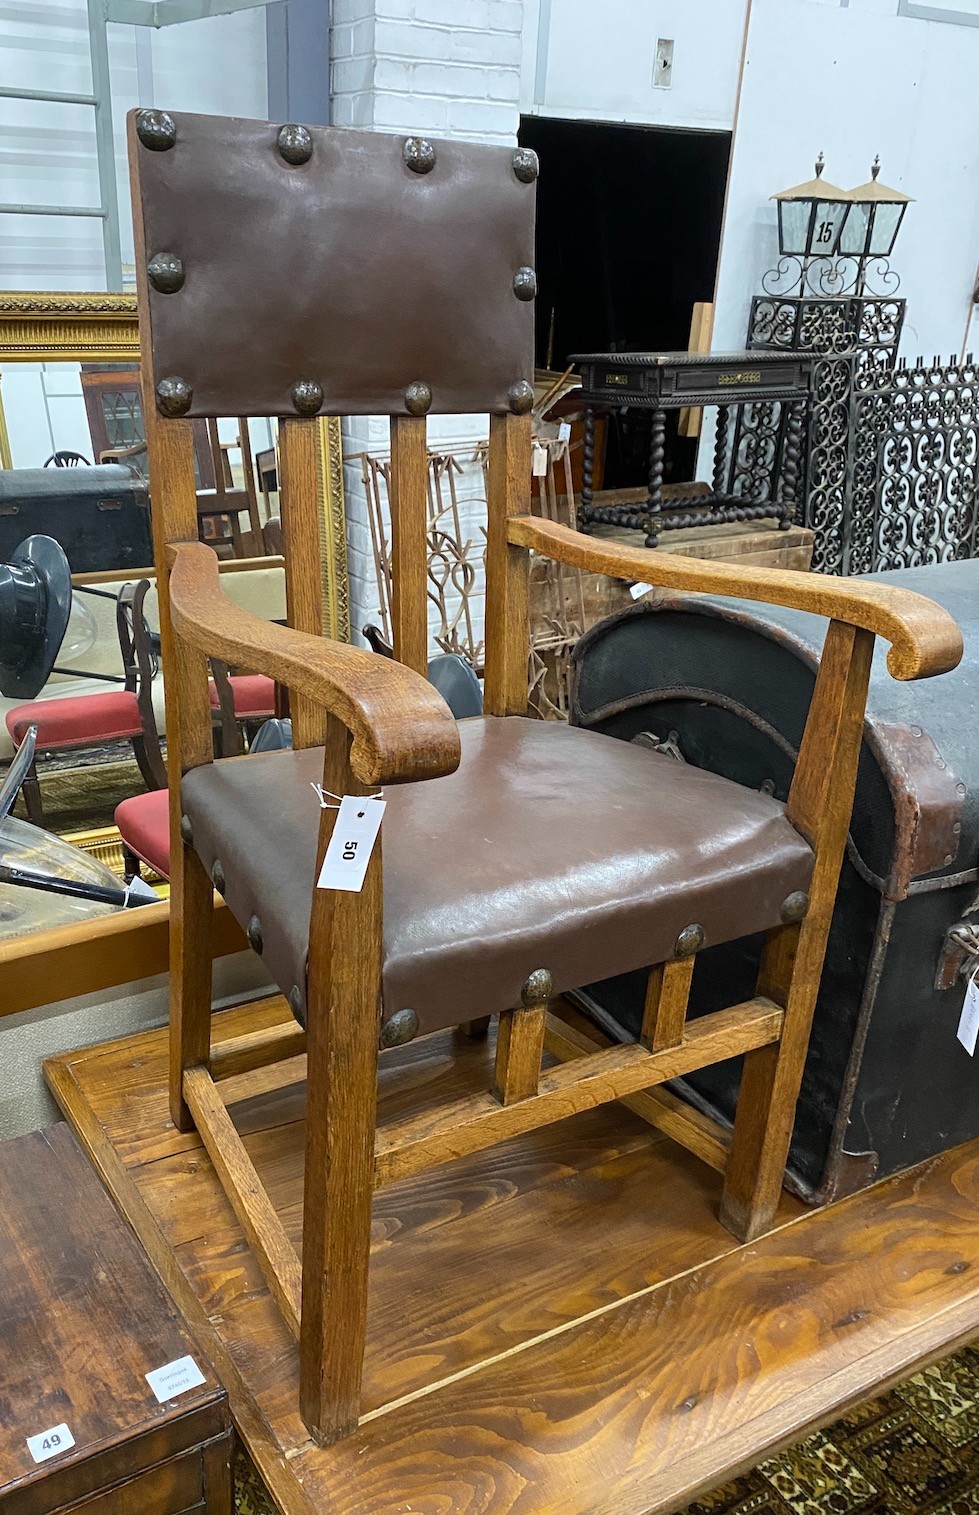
(924, 638)
(402, 729)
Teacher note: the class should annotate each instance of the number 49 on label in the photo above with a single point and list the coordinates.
(50, 1443)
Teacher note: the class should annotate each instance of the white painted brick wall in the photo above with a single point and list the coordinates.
(451, 68)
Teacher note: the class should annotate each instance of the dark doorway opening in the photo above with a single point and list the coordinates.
(628, 233)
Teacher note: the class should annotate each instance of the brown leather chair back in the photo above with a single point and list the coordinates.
(314, 270)
(307, 271)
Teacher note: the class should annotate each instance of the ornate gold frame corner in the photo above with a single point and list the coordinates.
(333, 531)
(52, 326)
(56, 326)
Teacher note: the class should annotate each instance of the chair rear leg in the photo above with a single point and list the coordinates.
(151, 766)
(32, 797)
(191, 920)
(130, 864)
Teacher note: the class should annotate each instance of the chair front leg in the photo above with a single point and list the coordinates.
(342, 1027)
(820, 803)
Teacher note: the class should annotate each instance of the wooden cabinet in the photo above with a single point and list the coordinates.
(83, 1320)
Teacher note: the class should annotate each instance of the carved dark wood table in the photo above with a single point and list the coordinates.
(731, 381)
(83, 1321)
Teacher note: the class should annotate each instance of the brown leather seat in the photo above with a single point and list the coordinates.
(549, 847)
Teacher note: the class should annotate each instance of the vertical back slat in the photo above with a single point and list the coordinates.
(217, 460)
(299, 503)
(409, 540)
(173, 492)
(507, 633)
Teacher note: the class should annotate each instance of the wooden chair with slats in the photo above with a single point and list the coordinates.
(312, 272)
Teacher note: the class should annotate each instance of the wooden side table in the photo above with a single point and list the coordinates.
(83, 1320)
(775, 384)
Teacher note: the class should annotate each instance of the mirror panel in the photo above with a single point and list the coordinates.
(71, 427)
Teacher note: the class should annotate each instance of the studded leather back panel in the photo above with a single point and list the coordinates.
(303, 270)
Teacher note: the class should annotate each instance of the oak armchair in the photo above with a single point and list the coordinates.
(300, 272)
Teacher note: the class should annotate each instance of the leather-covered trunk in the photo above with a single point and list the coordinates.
(727, 684)
(99, 514)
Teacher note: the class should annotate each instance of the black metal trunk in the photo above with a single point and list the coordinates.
(886, 1083)
(99, 514)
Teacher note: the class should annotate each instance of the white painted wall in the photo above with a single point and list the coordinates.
(47, 151)
(47, 156)
(853, 81)
(588, 62)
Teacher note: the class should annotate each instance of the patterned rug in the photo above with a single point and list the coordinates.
(914, 1449)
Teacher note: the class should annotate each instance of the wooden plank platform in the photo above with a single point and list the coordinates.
(557, 1325)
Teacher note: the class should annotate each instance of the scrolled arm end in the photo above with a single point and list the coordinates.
(401, 728)
(924, 638)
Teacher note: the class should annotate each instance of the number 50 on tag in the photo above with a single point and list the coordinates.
(354, 834)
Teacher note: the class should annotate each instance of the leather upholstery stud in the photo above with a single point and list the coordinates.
(690, 940)
(307, 397)
(296, 1000)
(538, 989)
(156, 130)
(794, 907)
(418, 398)
(401, 1028)
(217, 876)
(526, 165)
(295, 144)
(186, 831)
(520, 397)
(419, 155)
(166, 273)
(173, 396)
(525, 284)
(254, 934)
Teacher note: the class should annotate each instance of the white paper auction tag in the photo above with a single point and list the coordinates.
(175, 1378)
(968, 1032)
(50, 1443)
(564, 431)
(538, 461)
(638, 590)
(354, 834)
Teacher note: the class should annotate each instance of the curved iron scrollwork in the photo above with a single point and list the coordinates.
(831, 278)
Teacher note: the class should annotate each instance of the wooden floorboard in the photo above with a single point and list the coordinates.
(557, 1325)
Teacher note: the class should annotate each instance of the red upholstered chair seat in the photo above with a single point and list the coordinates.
(253, 693)
(79, 721)
(144, 825)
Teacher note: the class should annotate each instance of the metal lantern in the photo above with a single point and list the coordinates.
(810, 217)
(873, 219)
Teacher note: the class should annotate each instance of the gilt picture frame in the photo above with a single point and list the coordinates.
(45, 967)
